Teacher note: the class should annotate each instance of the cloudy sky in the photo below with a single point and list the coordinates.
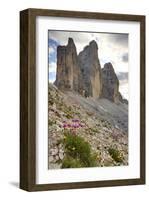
(111, 48)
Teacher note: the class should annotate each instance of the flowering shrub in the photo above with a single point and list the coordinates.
(77, 152)
(72, 125)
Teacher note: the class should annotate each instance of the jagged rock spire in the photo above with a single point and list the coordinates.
(110, 84)
(91, 70)
(83, 74)
(67, 66)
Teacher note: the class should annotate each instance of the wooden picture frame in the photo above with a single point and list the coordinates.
(28, 99)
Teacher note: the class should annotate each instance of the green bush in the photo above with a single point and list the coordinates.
(69, 162)
(79, 150)
(115, 154)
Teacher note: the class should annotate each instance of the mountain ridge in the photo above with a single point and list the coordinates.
(83, 74)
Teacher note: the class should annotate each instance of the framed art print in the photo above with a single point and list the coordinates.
(82, 102)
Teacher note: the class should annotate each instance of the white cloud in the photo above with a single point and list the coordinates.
(51, 79)
(52, 67)
(51, 50)
(52, 72)
(124, 90)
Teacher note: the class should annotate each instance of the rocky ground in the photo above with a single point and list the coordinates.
(103, 125)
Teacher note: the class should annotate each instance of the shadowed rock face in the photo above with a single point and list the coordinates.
(67, 67)
(110, 84)
(91, 70)
(80, 73)
(83, 74)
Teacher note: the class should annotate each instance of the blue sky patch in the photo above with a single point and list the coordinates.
(52, 45)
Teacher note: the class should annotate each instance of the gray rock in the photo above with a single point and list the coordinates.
(81, 73)
(54, 166)
(91, 70)
(61, 151)
(110, 87)
(54, 151)
(51, 158)
(61, 155)
(56, 157)
(67, 67)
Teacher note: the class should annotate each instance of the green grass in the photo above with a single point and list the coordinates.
(77, 152)
(69, 162)
(116, 155)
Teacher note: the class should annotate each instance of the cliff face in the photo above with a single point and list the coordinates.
(91, 70)
(67, 67)
(110, 84)
(83, 74)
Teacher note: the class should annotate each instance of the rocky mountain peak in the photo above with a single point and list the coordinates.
(70, 41)
(110, 82)
(67, 66)
(93, 44)
(71, 44)
(108, 66)
(109, 73)
(91, 70)
(82, 73)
